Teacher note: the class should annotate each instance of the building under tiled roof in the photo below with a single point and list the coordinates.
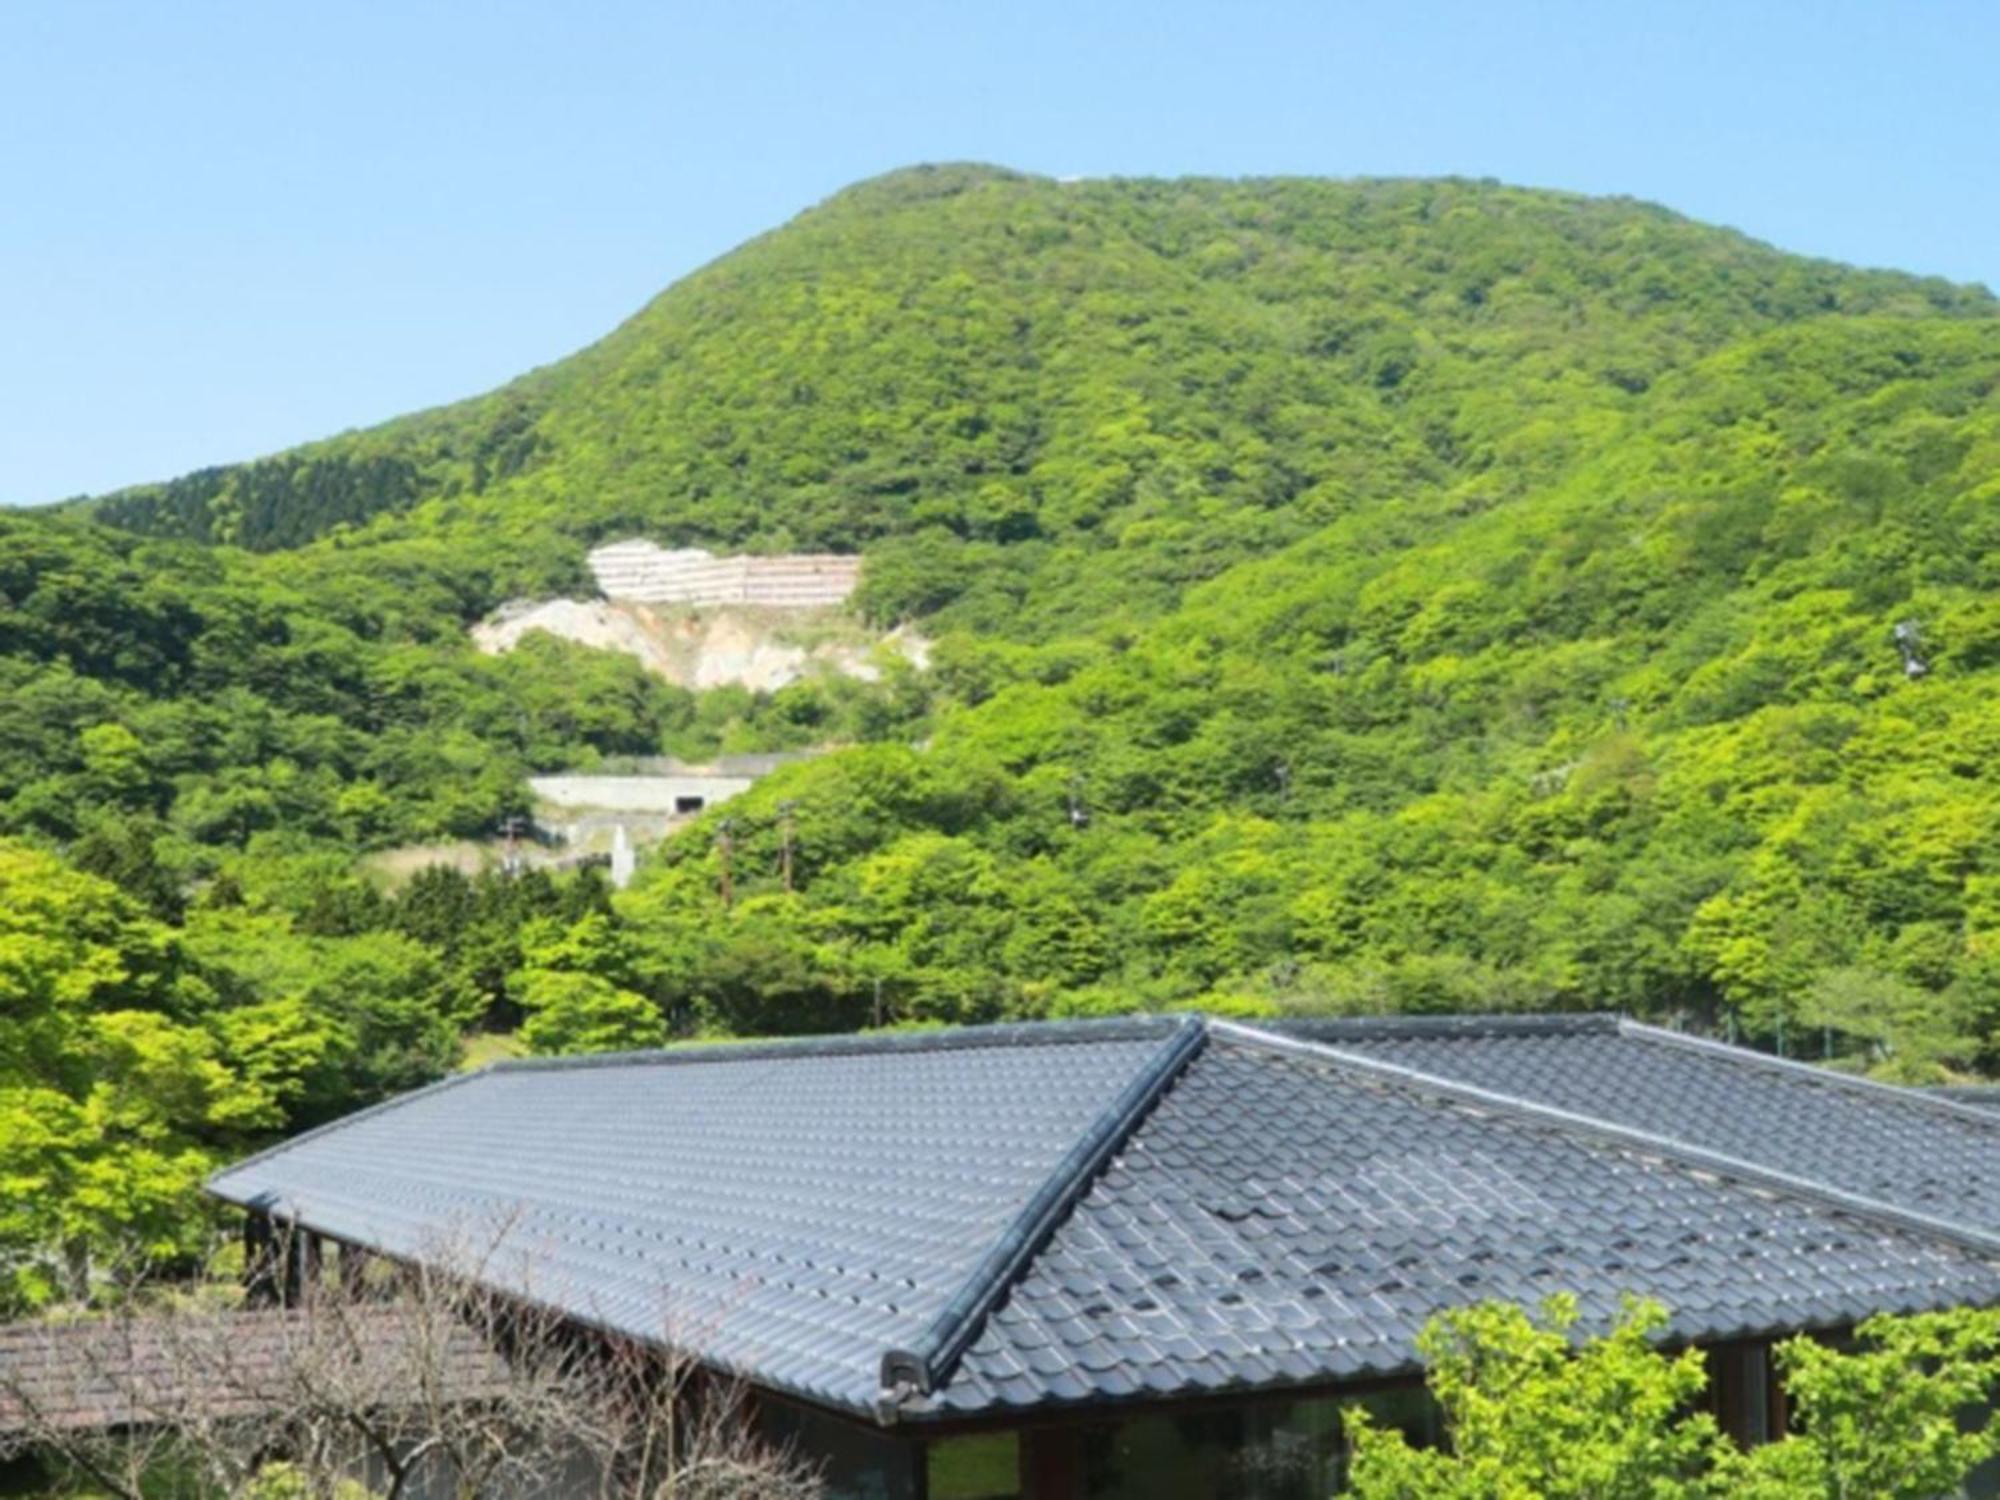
(963, 1223)
(102, 1374)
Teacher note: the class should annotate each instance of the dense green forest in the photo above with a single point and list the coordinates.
(1021, 398)
(1346, 596)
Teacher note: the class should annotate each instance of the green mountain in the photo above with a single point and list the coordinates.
(1018, 393)
(1348, 595)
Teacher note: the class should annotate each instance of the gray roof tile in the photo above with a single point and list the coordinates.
(1433, 1202)
(1900, 1146)
(787, 1213)
(1110, 1211)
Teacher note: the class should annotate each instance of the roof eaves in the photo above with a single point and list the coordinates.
(749, 1372)
(1979, 1241)
(1829, 1077)
(919, 1370)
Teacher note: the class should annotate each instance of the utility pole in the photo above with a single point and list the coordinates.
(1910, 642)
(785, 810)
(511, 827)
(724, 846)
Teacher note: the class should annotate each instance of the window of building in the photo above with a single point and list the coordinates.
(1744, 1395)
(1273, 1450)
(1265, 1450)
(985, 1467)
(1408, 1409)
(856, 1461)
(689, 804)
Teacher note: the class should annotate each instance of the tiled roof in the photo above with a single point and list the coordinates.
(999, 1218)
(1898, 1146)
(100, 1373)
(1285, 1217)
(791, 1212)
(1978, 1096)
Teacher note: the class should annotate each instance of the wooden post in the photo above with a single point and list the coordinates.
(301, 1264)
(353, 1272)
(260, 1260)
(1740, 1391)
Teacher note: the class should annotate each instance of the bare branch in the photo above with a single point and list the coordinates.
(444, 1386)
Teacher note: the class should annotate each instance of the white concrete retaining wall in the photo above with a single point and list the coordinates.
(643, 573)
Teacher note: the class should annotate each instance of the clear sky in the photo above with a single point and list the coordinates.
(225, 227)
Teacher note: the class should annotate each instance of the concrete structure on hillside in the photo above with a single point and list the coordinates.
(610, 817)
(641, 572)
(624, 860)
(675, 794)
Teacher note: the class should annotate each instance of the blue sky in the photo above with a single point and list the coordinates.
(225, 228)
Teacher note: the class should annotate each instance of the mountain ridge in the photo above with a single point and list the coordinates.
(645, 430)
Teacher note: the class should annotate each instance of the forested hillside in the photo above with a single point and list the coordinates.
(1646, 739)
(1381, 595)
(1018, 395)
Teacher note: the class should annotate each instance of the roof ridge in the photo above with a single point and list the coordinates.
(1832, 1077)
(845, 1044)
(1697, 1157)
(1538, 1023)
(921, 1368)
(941, 1039)
(1964, 1093)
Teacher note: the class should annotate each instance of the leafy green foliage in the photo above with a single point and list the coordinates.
(1348, 596)
(1527, 1418)
(1892, 1418)
(1644, 739)
(356, 1019)
(1009, 374)
(570, 1004)
(572, 1012)
(1530, 1417)
(136, 1057)
(113, 1090)
(160, 703)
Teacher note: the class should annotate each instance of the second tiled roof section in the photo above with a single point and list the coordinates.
(1897, 1146)
(1288, 1216)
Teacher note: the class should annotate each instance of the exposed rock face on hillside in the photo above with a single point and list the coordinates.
(702, 621)
(588, 622)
